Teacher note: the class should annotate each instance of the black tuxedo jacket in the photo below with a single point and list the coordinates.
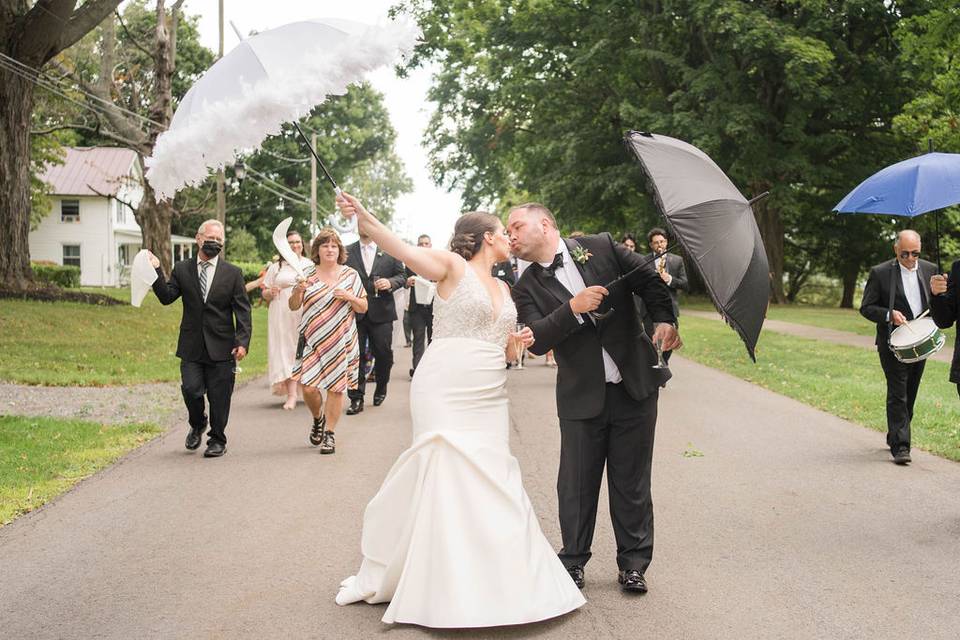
(544, 305)
(876, 295)
(380, 308)
(944, 309)
(220, 324)
(412, 293)
(504, 271)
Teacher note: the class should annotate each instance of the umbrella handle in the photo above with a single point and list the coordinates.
(323, 167)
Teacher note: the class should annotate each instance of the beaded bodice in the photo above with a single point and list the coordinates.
(468, 312)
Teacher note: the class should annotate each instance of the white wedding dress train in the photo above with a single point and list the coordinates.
(451, 539)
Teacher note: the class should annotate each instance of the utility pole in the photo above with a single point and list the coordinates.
(313, 187)
(221, 196)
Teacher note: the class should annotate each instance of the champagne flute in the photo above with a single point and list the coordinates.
(661, 363)
(518, 345)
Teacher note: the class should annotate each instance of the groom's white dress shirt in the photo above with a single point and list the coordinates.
(569, 276)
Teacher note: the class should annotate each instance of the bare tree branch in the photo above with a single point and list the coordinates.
(108, 195)
(88, 16)
(42, 26)
(44, 132)
(135, 42)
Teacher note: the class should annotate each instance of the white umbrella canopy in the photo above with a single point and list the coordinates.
(273, 77)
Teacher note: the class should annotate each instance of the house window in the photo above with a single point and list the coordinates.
(70, 211)
(121, 212)
(71, 255)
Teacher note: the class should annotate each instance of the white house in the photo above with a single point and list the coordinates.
(90, 224)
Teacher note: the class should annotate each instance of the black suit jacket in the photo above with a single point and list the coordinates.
(876, 295)
(544, 305)
(219, 324)
(380, 308)
(504, 271)
(944, 309)
(415, 306)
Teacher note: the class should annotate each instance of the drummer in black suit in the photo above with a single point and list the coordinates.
(898, 291)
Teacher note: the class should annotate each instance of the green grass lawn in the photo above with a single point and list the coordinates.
(41, 458)
(73, 344)
(844, 381)
(826, 317)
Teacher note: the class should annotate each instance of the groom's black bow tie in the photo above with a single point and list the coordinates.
(551, 271)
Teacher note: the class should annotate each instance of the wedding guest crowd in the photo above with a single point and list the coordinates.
(328, 354)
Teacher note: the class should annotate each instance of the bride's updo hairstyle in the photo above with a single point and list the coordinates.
(468, 232)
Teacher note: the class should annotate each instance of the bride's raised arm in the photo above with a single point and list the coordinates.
(432, 264)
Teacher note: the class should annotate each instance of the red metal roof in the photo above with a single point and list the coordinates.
(90, 171)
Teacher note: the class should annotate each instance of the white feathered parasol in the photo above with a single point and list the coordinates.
(274, 77)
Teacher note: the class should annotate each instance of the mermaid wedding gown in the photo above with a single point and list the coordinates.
(451, 539)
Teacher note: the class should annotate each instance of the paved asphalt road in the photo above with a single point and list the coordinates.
(773, 521)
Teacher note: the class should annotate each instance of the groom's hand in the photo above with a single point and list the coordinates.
(667, 334)
(588, 300)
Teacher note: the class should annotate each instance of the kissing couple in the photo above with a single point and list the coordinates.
(451, 539)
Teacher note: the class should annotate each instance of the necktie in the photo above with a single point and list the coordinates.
(551, 271)
(203, 279)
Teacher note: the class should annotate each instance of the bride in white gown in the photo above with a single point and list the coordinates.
(451, 539)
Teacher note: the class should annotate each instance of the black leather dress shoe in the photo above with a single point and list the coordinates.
(378, 399)
(194, 437)
(356, 406)
(576, 574)
(632, 580)
(215, 450)
(902, 456)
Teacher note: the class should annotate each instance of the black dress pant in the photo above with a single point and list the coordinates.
(378, 336)
(622, 438)
(215, 380)
(903, 381)
(421, 322)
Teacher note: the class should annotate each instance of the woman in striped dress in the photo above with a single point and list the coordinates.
(330, 357)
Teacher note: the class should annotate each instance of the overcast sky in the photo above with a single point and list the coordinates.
(428, 209)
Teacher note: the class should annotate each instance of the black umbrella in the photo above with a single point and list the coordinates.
(714, 224)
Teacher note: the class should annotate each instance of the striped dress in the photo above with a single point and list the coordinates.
(331, 357)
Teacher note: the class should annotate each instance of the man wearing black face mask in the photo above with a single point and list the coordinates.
(210, 344)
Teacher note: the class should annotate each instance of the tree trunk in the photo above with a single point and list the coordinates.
(771, 230)
(154, 219)
(16, 104)
(849, 278)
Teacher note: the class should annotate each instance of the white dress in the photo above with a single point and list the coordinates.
(283, 325)
(451, 539)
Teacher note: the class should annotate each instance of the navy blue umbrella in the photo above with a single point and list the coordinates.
(910, 188)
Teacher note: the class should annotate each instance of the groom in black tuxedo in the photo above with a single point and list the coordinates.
(606, 389)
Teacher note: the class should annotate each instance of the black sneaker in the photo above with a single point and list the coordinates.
(329, 442)
(316, 431)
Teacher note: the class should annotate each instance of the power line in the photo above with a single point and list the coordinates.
(39, 73)
(278, 185)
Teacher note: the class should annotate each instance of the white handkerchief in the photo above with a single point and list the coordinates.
(142, 275)
(424, 290)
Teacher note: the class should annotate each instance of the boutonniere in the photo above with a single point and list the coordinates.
(379, 254)
(581, 255)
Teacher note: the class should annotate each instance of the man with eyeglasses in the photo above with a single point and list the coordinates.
(898, 291)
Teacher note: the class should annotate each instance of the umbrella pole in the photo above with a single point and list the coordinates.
(319, 161)
(643, 264)
(937, 218)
